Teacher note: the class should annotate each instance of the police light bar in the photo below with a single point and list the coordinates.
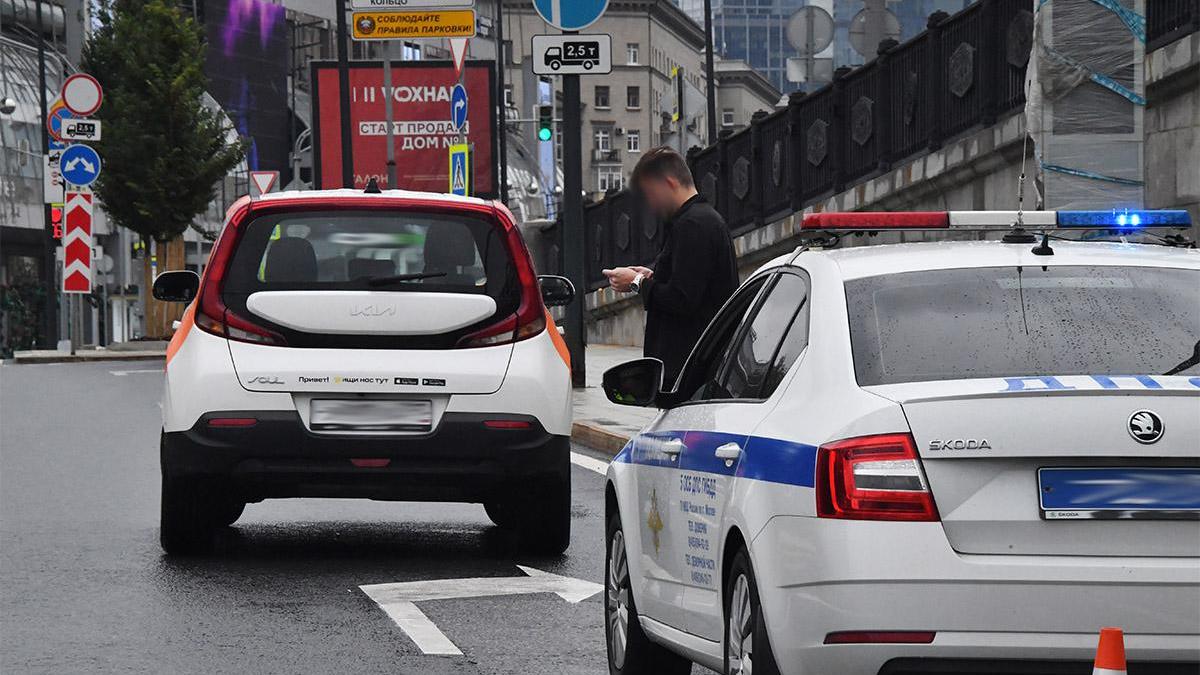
(979, 221)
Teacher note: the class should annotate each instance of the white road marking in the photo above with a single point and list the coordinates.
(398, 600)
(123, 373)
(589, 463)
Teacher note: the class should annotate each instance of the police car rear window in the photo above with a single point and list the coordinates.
(1010, 322)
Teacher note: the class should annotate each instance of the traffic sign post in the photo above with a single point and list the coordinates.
(52, 180)
(459, 107)
(80, 165)
(393, 25)
(77, 242)
(460, 169)
(82, 95)
(262, 182)
(572, 54)
(570, 15)
(74, 129)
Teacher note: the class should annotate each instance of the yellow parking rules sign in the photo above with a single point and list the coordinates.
(446, 23)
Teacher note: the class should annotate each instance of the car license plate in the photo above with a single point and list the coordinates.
(1119, 493)
(371, 415)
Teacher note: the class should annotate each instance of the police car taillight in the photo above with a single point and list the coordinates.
(873, 478)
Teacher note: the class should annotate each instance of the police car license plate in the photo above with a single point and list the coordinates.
(371, 415)
(1117, 493)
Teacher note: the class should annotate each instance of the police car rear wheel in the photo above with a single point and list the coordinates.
(747, 647)
(630, 652)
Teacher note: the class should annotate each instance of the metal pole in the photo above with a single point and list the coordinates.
(343, 65)
(50, 303)
(709, 73)
(572, 228)
(388, 96)
(501, 107)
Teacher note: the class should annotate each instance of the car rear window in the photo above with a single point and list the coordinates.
(1012, 322)
(388, 251)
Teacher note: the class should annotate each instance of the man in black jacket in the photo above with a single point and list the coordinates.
(694, 273)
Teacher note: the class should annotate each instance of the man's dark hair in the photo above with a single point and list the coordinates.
(662, 162)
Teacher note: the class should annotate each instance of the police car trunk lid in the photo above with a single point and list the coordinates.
(982, 443)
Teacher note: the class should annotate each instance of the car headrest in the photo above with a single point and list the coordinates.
(366, 268)
(291, 259)
(449, 246)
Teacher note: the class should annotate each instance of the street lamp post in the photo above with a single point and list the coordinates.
(711, 85)
(50, 303)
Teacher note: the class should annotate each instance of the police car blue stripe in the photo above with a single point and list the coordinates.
(767, 459)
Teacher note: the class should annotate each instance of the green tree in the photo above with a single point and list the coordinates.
(163, 150)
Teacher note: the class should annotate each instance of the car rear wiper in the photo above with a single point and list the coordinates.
(399, 278)
(1194, 360)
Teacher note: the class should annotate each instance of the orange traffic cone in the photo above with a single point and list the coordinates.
(1110, 653)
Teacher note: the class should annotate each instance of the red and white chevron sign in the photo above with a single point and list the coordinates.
(77, 241)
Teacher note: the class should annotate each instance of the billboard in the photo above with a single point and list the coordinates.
(423, 132)
(247, 61)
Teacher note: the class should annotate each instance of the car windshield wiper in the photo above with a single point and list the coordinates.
(400, 278)
(1194, 360)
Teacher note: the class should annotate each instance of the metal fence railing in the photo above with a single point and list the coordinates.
(1169, 20)
(959, 75)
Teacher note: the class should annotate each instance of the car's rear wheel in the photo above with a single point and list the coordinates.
(227, 511)
(630, 652)
(747, 647)
(540, 515)
(188, 520)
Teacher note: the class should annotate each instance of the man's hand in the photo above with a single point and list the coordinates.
(620, 278)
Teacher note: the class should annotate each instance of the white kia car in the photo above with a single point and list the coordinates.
(956, 457)
(391, 346)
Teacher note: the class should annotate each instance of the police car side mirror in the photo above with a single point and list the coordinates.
(635, 383)
(556, 291)
(178, 286)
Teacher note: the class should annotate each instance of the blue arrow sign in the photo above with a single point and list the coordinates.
(570, 14)
(458, 107)
(80, 165)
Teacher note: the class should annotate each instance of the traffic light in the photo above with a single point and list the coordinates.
(56, 221)
(545, 122)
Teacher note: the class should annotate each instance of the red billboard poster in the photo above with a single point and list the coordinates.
(422, 129)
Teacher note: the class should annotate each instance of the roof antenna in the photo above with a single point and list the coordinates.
(1018, 235)
(1044, 247)
(372, 187)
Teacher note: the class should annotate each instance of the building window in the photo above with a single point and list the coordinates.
(602, 96)
(727, 117)
(633, 140)
(609, 178)
(633, 98)
(602, 138)
(631, 53)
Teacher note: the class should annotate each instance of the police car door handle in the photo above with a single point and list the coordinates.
(729, 451)
(673, 447)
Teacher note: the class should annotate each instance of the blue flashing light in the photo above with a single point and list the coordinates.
(1124, 219)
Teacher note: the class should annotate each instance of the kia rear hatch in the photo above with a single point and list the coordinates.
(376, 301)
(1056, 409)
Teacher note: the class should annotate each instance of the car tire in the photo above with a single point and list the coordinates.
(544, 517)
(502, 513)
(747, 646)
(634, 654)
(187, 523)
(227, 512)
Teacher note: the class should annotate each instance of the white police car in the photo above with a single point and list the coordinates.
(921, 458)
(382, 345)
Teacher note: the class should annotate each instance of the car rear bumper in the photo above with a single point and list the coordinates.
(461, 460)
(998, 614)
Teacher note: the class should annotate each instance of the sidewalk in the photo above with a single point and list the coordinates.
(599, 423)
(121, 351)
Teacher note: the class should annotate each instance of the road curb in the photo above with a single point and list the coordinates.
(87, 357)
(598, 438)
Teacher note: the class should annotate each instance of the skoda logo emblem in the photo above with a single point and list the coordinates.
(1145, 427)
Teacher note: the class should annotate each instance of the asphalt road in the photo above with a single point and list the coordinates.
(84, 586)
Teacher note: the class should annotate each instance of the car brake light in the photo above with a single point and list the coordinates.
(873, 478)
(530, 317)
(891, 637)
(232, 422)
(507, 424)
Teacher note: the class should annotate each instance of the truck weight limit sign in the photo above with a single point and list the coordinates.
(572, 54)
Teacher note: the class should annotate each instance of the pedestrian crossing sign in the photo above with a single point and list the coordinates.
(460, 169)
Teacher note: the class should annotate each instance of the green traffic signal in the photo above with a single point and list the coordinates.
(545, 122)
(545, 134)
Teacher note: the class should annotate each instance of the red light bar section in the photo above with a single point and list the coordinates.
(880, 637)
(869, 221)
(232, 422)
